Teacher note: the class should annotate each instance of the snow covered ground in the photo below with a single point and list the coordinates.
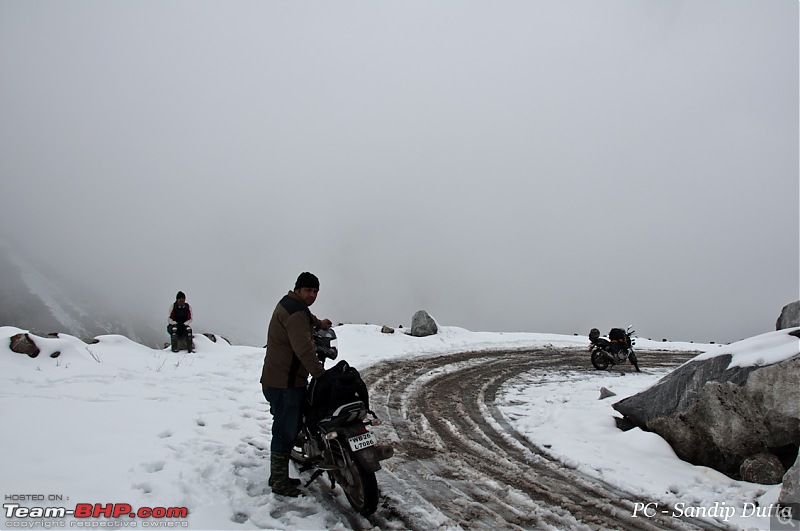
(118, 423)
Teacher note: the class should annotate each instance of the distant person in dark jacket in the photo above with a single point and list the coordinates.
(180, 319)
(290, 358)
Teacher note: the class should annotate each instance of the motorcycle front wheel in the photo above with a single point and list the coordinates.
(599, 360)
(634, 361)
(359, 485)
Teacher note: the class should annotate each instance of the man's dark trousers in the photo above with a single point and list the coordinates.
(286, 406)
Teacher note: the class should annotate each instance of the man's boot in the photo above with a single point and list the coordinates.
(295, 482)
(279, 479)
(299, 440)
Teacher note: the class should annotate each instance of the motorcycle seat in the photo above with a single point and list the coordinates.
(601, 342)
(344, 414)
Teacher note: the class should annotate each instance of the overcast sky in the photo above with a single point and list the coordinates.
(543, 166)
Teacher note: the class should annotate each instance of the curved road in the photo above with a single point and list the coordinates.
(458, 462)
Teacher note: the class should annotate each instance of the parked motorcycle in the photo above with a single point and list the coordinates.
(334, 436)
(612, 351)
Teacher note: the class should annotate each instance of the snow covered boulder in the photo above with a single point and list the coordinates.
(422, 324)
(789, 317)
(726, 406)
(213, 338)
(23, 344)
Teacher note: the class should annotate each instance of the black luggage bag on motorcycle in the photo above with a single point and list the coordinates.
(339, 385)
(616, 334)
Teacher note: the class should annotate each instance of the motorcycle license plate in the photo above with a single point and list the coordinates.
(359, 442)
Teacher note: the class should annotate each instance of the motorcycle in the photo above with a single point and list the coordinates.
(334, 438)
(612, 351)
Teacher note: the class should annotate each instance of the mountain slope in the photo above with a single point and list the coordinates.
(42, 300)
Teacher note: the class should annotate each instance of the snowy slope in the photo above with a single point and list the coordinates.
(118, 422)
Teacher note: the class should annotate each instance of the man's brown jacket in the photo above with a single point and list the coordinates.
(291, 355)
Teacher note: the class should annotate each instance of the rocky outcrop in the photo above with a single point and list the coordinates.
(213, 338)
(765, 469)
(422, 324)
(790, 491)
(387, 330)
(606, 393)
(720, 416)
(790, 316)
(23, 344)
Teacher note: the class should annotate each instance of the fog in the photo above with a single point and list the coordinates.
(508, 166)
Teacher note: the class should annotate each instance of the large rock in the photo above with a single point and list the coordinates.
(23, 344)
(790, 491)
(765, 469)
(717, 416)
(422, 324)
(790, 316)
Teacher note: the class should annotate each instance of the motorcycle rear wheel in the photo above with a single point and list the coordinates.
(360, 486)
(297, 455)
(599, 360)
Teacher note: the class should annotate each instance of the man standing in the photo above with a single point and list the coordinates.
(180, 317)
(290, 358)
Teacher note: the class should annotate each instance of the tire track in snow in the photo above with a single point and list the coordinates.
(458, 462)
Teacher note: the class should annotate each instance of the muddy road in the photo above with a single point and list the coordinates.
(459, 464)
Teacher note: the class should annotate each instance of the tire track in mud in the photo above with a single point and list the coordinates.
(458, 462)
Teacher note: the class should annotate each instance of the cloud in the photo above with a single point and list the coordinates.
(543, 167)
